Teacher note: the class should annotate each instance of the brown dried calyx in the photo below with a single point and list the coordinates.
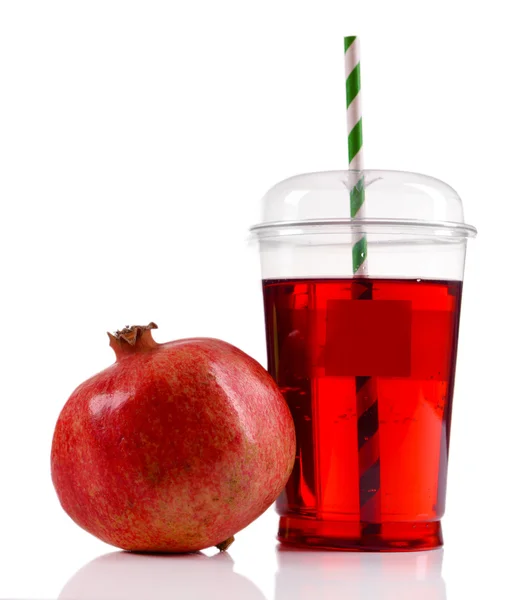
(133, 339)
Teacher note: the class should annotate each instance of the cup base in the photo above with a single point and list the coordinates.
(354, 536)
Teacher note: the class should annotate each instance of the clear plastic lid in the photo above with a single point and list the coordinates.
(408, 201)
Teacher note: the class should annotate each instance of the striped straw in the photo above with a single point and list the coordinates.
(355, 154)
(366, 393)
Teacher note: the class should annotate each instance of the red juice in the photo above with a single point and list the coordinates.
(367, 476)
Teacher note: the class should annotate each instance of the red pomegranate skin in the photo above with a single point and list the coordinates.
(174, 448)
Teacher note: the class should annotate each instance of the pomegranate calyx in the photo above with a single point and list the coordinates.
(132, 339)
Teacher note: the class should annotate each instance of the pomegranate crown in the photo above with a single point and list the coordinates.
(132, 339)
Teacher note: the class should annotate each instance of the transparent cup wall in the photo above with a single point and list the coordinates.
(369, 384)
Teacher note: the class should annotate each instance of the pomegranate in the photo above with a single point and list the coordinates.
(173, 448)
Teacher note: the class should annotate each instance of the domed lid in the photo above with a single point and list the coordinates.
(387, 198)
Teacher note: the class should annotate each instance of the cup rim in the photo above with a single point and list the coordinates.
(363, 225)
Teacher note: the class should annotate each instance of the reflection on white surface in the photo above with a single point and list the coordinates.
(124, 576)
(300, 575)
(312, 575)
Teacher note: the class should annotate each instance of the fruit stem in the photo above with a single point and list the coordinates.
(223, 546)
(132, 340)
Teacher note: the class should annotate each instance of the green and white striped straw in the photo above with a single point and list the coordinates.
(355, 155)
(365, 386)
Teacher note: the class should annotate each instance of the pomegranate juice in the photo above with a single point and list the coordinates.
(367, 369)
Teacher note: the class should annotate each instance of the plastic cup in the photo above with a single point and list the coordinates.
(366, 364)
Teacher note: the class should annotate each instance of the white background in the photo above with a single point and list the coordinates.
(135, 141)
